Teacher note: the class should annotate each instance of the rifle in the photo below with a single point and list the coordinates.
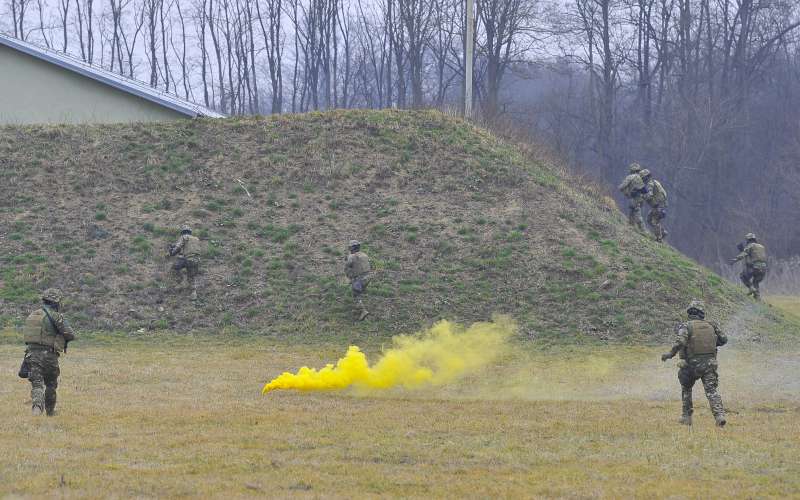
(66, 342)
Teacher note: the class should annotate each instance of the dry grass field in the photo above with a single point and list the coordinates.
(177, 416)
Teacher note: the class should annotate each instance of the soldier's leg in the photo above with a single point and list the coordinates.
(746, 278)
(36, 378)
(192, 271)
(177, 269)
(711, 385)
(51, 383)
(758, 275)
(687, 378)
(638, 219)
(660, 216)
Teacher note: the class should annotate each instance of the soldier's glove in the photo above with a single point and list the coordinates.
(666, 356)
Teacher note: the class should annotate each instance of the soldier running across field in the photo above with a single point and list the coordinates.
(656, 197)
(188, 250)
(46, 334)
(755, 264)
(634, 189)
(696, 344)
(358, 271)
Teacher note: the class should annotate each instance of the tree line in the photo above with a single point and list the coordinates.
(702, 92)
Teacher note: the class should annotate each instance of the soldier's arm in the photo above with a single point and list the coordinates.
(348, 265)
(722, 339)
(681, 340)
(741, 255)
(64, 328)
(178, 246)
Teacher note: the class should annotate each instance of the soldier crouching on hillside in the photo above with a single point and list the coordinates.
(358, 271)
(46, 335)
(696, 344)
(188, 250)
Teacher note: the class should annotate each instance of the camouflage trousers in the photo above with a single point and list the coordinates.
(704, 369)
(635, 213)
(358, 287)
(751, 277)
(192, 266)
(654, 218)
(43, 376)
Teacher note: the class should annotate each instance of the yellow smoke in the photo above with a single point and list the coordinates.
(433, 357)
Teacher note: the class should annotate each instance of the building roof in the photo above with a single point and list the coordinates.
(115, 80)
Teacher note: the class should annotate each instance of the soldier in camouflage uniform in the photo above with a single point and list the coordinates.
(656, 197)
(188, 250)
(696, 344)
(634, 189)
(358, 271)
(755, 264)
(46, 333)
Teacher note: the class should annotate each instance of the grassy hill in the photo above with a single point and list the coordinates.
(459, 223)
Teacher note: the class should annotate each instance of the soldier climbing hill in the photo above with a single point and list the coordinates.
(696, 344)
(46, 334)
(358, 271)
(656, 197)
(755, 264)
(634, 189)
(188, 249)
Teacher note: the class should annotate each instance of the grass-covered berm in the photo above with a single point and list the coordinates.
(459, 224)
(176, 415)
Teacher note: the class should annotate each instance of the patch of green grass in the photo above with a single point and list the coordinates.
(140, 245)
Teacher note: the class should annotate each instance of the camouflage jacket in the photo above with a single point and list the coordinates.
(656, 195)
(682, 336)
(753, 253)
(632, 186)
(48, 328)
(356, 265)
(186, 246)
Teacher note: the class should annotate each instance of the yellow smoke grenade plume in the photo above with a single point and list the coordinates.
(433, 357)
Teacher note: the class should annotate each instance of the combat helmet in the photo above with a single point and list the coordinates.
(354, 243)
(698, 307)
(644, 173)
(750, 237)
(52, 295)
(185, 229)
(634, 168)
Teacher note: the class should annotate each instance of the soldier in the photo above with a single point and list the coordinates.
(46, 335)
(755, 264)
(633, 188)
(358, 271)
(188, 250)
(656, 198)
(696, 343)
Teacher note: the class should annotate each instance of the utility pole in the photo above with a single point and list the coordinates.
(469, 47)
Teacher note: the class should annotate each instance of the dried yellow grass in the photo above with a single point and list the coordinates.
(188, 420)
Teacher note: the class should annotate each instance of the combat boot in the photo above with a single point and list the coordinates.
(685, 420)
(363, 315)
(720, 419)
(36, 411)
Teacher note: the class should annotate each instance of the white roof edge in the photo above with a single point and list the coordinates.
(115, 80)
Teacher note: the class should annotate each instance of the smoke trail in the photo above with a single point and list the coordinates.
(433, 357)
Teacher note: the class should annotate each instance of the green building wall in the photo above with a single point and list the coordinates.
(33, 91)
